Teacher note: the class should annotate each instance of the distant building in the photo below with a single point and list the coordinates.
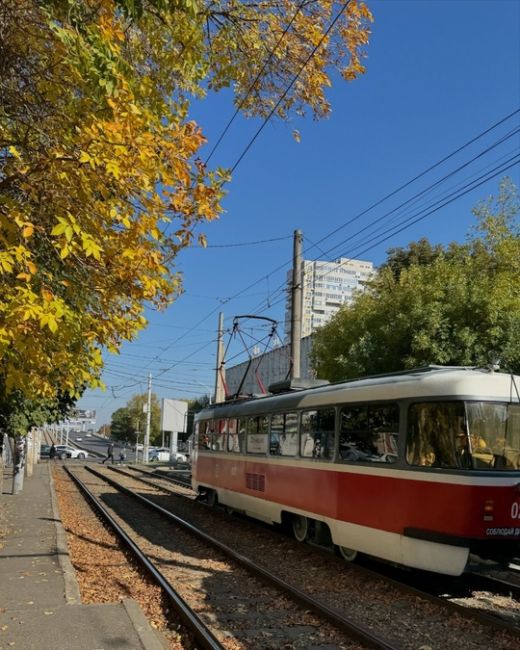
(326, 287)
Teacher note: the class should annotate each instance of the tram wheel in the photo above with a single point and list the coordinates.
(212, 498)
(348, 554)
(300, 528)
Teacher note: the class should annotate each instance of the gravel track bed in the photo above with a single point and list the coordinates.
(241, 610)
(405, 620)
(104, 571)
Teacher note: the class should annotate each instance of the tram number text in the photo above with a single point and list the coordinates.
(515, 510)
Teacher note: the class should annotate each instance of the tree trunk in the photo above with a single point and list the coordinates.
(2, 451)
(18, 464)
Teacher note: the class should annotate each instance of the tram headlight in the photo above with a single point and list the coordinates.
(489, 507)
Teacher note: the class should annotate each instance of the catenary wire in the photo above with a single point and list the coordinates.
(237, 294)
(255, 81)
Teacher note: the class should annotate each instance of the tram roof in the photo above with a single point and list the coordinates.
(428, 381)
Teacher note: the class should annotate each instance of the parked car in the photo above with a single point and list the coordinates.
(79, 439)
(62, 452)
(163, 453)
(45, 451)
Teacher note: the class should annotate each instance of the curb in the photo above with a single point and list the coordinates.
(72, 594)
(150, 638)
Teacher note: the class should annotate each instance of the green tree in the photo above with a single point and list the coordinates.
(121, 425)
(138, 417)
(455, 306)
(194, 406)
(130, 420)
(416, 253)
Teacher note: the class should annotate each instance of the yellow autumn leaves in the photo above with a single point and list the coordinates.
(100, 181)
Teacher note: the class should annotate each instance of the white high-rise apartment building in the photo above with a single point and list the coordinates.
(326, 286)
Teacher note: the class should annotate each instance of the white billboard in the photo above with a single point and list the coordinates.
(174, 414)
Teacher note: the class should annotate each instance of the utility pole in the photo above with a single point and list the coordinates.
(137, 441)
(148, 419)
(219, 379)
(296, 304)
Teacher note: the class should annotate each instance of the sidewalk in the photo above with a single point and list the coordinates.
(40, 605)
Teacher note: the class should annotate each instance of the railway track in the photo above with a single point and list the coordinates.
(505, 582)
(451, 592)
(329, 595)
(154, 477)
(200, 632)
(297, 621)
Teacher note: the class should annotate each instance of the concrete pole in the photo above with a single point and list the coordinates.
(296, 304)
(137, 442)
(18, 464)
(38, 445)
(148, 420)
(29, 453)
(219, 384)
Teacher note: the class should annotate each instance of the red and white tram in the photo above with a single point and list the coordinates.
(419, 468)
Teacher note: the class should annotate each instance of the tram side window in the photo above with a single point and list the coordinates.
(369, 432)
(317, 434)
(257, 434)
(205, 433)
(437, 435)
(219, 435)
(234, 444)
(283, 438)
(242, 432)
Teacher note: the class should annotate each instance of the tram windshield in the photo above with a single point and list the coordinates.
(464, 435)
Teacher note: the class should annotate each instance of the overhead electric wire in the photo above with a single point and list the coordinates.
(444, 159)
(255, 81)
(237, 294)
(423, 173)
(247, 243)
(411, 200)
(403, 225)
(441, 180)
(293, 81)
(384, 198)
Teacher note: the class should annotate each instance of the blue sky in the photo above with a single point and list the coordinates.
(438, 74)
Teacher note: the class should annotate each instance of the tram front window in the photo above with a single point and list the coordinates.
(458, 435)
(494, 430)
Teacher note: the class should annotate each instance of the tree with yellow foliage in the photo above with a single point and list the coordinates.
(100, 184)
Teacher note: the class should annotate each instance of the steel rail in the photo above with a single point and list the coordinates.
(484, 618)
(486, 582)
(353, 630)
(190, 619)
(488, 620)
(152, 476)
(175, 481)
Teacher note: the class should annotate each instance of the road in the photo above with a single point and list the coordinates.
(98, 445)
